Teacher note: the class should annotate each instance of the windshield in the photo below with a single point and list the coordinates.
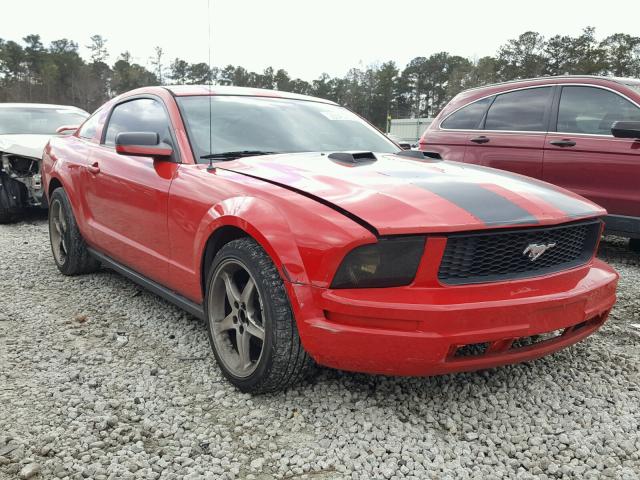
(261, 124)
(38, 121)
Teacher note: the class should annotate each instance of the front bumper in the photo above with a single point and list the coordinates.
(434, 330)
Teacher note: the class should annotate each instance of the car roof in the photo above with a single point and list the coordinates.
(41, 105)
(622, 80)
(196, 90)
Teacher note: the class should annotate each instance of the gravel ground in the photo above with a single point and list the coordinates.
(100, 379)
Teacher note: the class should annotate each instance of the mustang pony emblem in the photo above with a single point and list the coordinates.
(535, 250)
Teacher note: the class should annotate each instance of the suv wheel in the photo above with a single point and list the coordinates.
(250, 324)
(634, 244)
(67, 245)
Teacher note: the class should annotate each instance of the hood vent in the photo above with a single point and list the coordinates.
(353, 158)
(418, 154)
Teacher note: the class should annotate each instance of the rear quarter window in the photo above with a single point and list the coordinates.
(468, 117)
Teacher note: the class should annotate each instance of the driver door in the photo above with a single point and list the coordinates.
(127, 197)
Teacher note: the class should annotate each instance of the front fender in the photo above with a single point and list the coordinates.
(305, 238)
(265, 223)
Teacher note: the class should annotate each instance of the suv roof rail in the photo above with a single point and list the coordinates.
(547, 77)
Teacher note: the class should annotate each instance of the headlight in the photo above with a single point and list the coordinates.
(391, 262)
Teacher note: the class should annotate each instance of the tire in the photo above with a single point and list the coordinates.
(69, 249)
(12, 197)
(272, 363)
(7, 216)
(634, 245)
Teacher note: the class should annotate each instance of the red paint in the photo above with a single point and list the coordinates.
(156, 217)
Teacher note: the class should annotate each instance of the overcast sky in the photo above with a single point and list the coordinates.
(309, 37)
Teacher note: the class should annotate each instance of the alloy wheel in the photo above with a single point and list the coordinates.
(58, 227)
(236, 318)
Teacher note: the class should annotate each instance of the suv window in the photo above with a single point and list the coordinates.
(139, 115)
(468, 117)
(522, 110)
(592, 110)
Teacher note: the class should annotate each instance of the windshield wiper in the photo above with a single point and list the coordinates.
(234, 155)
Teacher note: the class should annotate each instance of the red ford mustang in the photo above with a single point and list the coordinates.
(301, 234)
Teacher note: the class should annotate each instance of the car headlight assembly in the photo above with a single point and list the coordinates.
(391, 262)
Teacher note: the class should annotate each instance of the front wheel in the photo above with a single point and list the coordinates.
(251, 327)
(12, 198)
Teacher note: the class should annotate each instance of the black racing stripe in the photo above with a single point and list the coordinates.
(566, 203)
(571, 207)
(484, 204)
(487, 206)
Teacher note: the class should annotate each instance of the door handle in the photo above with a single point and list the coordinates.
(563, 143)
(480, 139)
(94, 168)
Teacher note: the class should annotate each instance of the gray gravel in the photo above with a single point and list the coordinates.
(100, 379)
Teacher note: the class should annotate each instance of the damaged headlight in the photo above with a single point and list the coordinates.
(391, 262)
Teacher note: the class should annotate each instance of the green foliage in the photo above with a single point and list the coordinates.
(30, 71)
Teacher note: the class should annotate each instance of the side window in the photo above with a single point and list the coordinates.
(140, 115)
(468, 117)
(90, 126)
(592, 110)
(522, 110)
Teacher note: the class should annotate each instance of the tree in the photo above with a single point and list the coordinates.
(320, 87)
(34, 56)
(199, 74)
(386, 77)
(11, 60)
(179, 70)
(95, 78)
(522, 57)
(485, 71)
(156, 61)
(282, 80)
(622, 55)
(127, 75)
(98, 48)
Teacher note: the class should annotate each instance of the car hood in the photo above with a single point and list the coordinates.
(397, 195)
(24, 144)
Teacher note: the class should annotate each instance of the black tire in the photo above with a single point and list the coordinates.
(283, 361)
(76, 259)
(634, 245)
(7, 215)
(12, 196)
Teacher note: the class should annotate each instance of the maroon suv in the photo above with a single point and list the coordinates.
(578, 132)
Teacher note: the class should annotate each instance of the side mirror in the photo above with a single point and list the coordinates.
(626, 130)
(142, 144)
(67, 129)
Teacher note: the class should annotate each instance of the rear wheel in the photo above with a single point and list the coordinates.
(67, 245)
(634, 244)
(251, 327)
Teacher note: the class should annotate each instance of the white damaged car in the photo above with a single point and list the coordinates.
(25, 129)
